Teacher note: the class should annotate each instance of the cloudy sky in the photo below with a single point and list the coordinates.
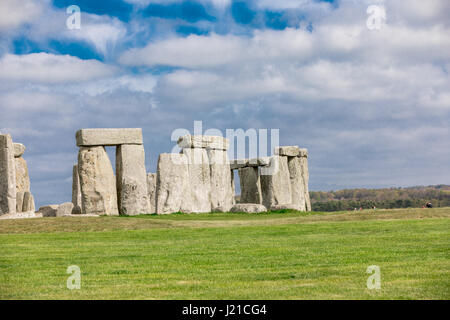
(371, 105)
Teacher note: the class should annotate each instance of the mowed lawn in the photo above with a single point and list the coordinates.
(229, 256)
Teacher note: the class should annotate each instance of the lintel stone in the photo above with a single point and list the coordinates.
(108, 137)
(199, 141)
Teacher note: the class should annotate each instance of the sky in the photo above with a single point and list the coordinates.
(371, 104)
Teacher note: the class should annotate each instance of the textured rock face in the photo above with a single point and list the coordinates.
(28, 202)
(151, 187)
(250, 185)
(19, 201)
(49, 211)
(208, 142)
(173, 191)
(108, 137)
(76, 188)
(22, 176)
(305, 175)
(275, 182)
(132, 180)
(98, 184)
(76, 210)
(64, 209)
(19, 150)
(248, 208)
(199, 179)
(7, 176)
(222, 193)
(297, 183)
(289, 151)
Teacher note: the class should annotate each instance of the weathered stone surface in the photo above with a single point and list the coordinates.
(19, 201)
(132, 180)
(238, 163)
(19, 150)
(49, 211)
(76, 188)
(199, 179)
(303, 153)
(275, 182)
(8, 188)
(248, 208)
(250, 185)
(22, 176)
(76, 210)
(199, 141)
(172, 191)
(108, 137)
(233, 187)
(305, 176)
(222, 193)
(254, 162)
(297, 183)
(28, 202)
(64, 209)
(97, 180)
(284, 207)
(151, 187)
(289, 151)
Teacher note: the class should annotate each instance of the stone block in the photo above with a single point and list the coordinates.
(289, 151)
(222, 193)
(64, 209)
(19, 150)
(76, 188)
(275, 183)
(48, 211)
(297, 182)
(199, 141)
(248, 208)
(108, 137)
(8, 190)
(28, 202)
(22, 176)
(250, 185)
(151, 187)
(199, 179)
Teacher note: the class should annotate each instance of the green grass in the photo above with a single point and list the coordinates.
(229, 256)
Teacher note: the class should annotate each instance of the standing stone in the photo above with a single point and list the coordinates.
(132, 180)
(28, 202)
(305, 175)
(275, 182)
(22, 176)
(151, 187)
(172, 191)
(233, 187)
(222, 193)
(97, 181)
(19, 201)
(7, 176)
(297, 183)
(199, 179)
(76, 188)
(250, 185)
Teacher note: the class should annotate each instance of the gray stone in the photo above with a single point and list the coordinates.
(199, 179)
(64, 209)
(172, 189)
(305, 176)
(238, 163)
(19, 201)
(48, 211)
(233, 187)
(297, 183)
(28, 202)
(222, 193)
(278, 207)
(108, 137)
(200, 141)
(19, 150)
(151, 187)
(248, 208)
(275, 182)
(8, 188)
(289, 151)
(132, 180)
(303, 153)
(76, 188)
(98, 183)
(250, 185)
(22, 176)
(76, 210)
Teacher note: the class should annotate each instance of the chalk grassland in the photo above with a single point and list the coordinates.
(229, 256)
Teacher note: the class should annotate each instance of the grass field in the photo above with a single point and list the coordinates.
(229, 256)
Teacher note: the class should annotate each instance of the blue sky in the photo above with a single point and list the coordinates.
(372, 106)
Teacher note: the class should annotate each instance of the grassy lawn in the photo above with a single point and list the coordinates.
(229, 256)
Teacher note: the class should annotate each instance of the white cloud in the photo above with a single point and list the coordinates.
(14, 13)
(50, 68)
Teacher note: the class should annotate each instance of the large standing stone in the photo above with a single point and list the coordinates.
(297, 183)
(76, 188)
(132, 180)
(305, 175)
(199, 179)
(151, 187)
(28, 202)
(173, 191)
(22, 176)
(98, 184)
(19, 201)
(108, 137)
(250, 185)
(275, 182)
(222, 193)
(7, 176)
